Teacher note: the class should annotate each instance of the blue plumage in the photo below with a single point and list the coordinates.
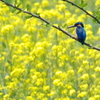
(81, 33)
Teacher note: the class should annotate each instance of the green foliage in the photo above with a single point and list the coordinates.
(97, 13)
(10, 1)
(82, 4)
(28, 7)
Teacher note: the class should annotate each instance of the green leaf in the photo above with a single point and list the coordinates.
(22, 1)
(10, 1)
(47, 25)
(4, 45)
(36, 13)
(13, 10)
(27, 17)
(18, 4)
(85, 4)
(64, 26)
(19, 12)
(9, 62)
(15, 2)
(82, 4)
(98, 9)
(28, 7)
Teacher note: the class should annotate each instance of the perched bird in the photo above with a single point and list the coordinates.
(80, 32)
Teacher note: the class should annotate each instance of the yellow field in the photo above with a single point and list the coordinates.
(38, 62)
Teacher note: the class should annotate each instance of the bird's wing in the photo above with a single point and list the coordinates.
(81, 34)
(84, 34)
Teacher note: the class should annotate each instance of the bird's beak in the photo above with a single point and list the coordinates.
(71, 26)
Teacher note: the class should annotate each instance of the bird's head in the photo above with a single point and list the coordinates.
(77, 24)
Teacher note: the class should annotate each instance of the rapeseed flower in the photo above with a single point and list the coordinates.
(92, 98)
(6, 96)
(57, 82)
(52, 93)
(82, 94)
(97, 69)
(45, 3)
(84, 87)
(29, 98)
(97, 3)
(46, 88)
(72, 92)
(61, 7)
(85, 76)
(7, 29)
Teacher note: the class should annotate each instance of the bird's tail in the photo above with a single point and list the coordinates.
(82, 41)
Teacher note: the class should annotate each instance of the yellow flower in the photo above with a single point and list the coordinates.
(97, 97)
(85, 62)
(82, 94)
(7, 77)
(98, 32)
(1, 94)
(12, 85)
(29, 98)
(92, 98)
(81, 56)
(52, 93)
(7, 29)
(61, 7)
(97, 56)
(58, 73)
(34, 77)
(46, 88)
(72, 92)
(70, 72)
(45, 3)
(57, 82)
(6, 96)
(37, 4)
(39, 51)
(66, 98)
(39, 82)
(27, 81)
(97, 3)
(1, 59)
(17, 22)
(97, 69)
(46, 44)
(88, 27)
(68, 86)
(33, 88)
(26, 37)
(80, 70)
(40, 96)
(64, 91)
(17, 72)
(54, 47)
(90, 12)
(84, 87)
(40, 65)
(67, 14)
(45, 98)
(31, 29)
(85, 76)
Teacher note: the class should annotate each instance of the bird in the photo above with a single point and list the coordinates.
(80, 32)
